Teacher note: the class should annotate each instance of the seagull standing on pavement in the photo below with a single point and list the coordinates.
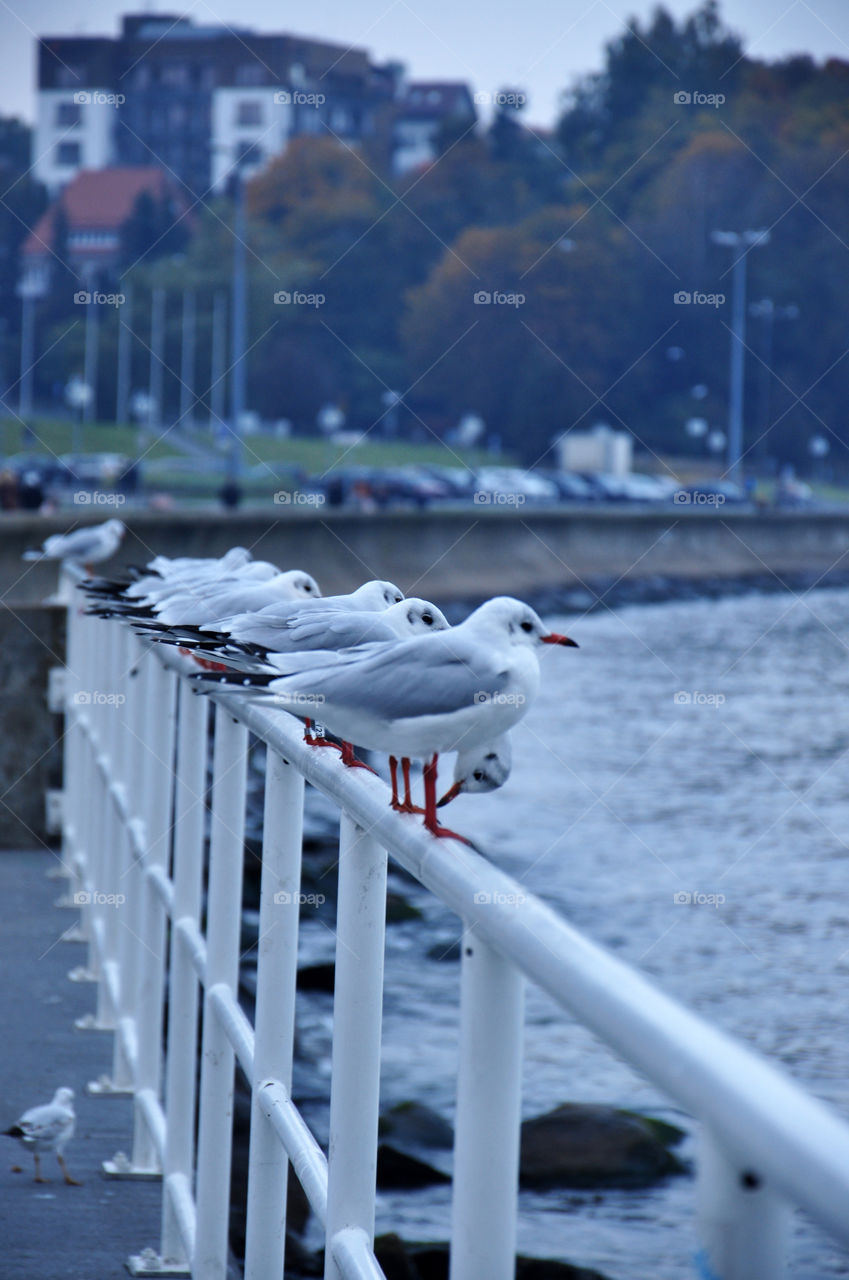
(48, 1128)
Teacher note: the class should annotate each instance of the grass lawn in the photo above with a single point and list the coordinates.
(313, 455)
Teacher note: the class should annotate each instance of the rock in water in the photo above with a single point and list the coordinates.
(583, 1145)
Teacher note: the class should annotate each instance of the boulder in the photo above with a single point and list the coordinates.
(586, 1145)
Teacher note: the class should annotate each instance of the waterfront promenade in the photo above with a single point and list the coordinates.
(56, 1232)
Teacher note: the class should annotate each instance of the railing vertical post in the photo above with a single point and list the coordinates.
(357, 1019)
(181, 1064)
(159, 722)
(132, 875)
(486, 1144)
(277, 967)
(224, 902)
(743, 1224)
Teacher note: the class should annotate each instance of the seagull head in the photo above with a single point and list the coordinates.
(235, 558)
(481, 769)
(377, 595)
(302, 584)
(64, 1097)
(414, 617)
(509, 621)
(116, 526)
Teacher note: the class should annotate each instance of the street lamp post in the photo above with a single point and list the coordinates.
(768, 312)
(742, 241)
(238, 338)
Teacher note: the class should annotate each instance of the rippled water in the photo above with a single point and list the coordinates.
(626, 793)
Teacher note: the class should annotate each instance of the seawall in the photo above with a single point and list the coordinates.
(465, 553)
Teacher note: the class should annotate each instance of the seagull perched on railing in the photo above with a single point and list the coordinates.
(192, 603)
(48, 1128)
(86, 546)
(457, 690)
(306, 630)
(481, 769)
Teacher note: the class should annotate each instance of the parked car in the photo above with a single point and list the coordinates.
(570, 486)
(513, 481)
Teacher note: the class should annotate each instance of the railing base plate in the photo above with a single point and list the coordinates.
(82, 974)
(103, 1087)
(121, 1169)
(88, 1022)
(74, 934)
(149, 1263)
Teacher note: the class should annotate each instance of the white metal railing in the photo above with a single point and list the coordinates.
(134, 815)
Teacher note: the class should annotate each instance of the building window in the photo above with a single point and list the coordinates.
(67, 115)
(250, 73)
(68, 77)
(175, 75)
(68, 153)
(247, 155)
(249, 112)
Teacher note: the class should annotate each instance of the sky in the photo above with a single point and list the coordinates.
(540, 46)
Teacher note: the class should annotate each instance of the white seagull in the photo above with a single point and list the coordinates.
(481, 769)
(457, 690)
(83, 546)
(48, 1128)
(373, 597)
(309, 630)
(206, 602)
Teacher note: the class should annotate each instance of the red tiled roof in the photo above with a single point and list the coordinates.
(97, 200)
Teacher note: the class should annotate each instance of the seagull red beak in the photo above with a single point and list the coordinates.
(450, 794)
(554, 638)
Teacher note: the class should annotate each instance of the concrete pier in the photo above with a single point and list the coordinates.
(56, 1232)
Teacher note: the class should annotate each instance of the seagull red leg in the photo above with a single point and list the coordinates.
(351, 760)
(406, 805)
(312, 740)
(430, 805)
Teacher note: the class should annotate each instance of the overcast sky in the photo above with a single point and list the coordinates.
(538, 45)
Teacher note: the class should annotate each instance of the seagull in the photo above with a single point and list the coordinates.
(86, 546)
(481, 769)
(456, 690)
(194, 603)
(309, 630)
(374, 597)
(48, 1128)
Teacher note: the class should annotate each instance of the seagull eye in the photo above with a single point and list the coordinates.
(527, 626)
(477, 775)
(428, 619)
